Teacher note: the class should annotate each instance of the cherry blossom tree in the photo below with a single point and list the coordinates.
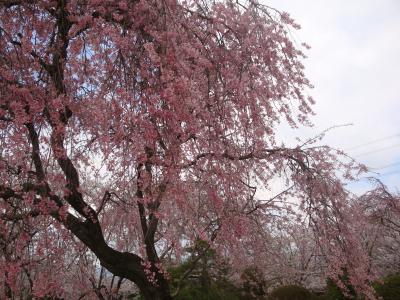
(380, 228)
(138, 127)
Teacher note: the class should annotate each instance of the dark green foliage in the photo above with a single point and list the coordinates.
(333, 292)
(254, 284)
(203, 285)
(215, 291)
(389, 289)
(200, 278)
(291, 292)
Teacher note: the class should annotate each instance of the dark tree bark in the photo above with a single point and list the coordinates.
(89, 232)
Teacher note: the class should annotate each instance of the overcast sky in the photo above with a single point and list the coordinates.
(354, 64)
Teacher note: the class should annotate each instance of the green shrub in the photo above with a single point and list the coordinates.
(206, 280)
(254, 285)
(333, 292)
(215, 291)
(291, 292)
(389, 289)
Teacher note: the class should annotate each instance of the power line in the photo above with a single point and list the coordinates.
(386, 166)
(373, 142)
(377, 150)
(388, 173)
(367, 178)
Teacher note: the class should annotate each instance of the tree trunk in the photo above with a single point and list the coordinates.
(123, 264)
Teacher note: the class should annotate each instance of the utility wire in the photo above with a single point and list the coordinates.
(378, 150)
(388, 173)
(373, 142)
(386, 166)
(376, 175)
